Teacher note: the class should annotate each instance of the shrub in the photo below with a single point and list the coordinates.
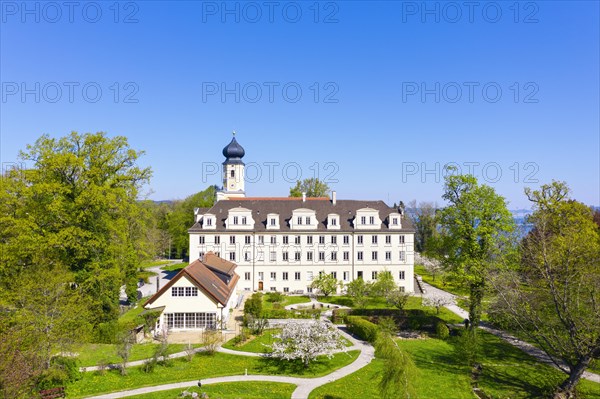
(62, 370)
(274, 297)
(339, 315)
(441, 329)
(149, 365)
(106, 333)
(364, 329)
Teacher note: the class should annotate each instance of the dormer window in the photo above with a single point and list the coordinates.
(334, 221)
(235, 220)
(273, 222)
(299, 219)
(243, 219)
(308, 220)
(395, 221)
(363, 220)
(209, 222)
(371, 219)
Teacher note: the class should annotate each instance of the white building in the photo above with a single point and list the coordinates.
(282, 243)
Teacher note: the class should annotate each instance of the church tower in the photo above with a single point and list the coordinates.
(233, 171)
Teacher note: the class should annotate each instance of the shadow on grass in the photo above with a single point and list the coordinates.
(277, 366)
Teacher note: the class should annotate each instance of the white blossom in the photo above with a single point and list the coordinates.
(306, 340)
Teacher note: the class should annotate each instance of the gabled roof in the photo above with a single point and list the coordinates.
(213, 275)
(284, 207)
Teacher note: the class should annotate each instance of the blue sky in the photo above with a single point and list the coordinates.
(374, 97)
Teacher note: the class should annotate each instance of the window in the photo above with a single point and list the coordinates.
(334, 221)
(359, 239)
(273, 289)
(402, 256)
(333, 255)
(177, 291)
(273, 239)
(261, 240)
(388, 239)
(273, 276)
(243, 219)
(401, 239)
(273, 222)
(286, 289)
(247, 239)
(209, 221)
(235, 220)
(321, 256)
(374, 275)
(346, 255)
(346, 239)
(218, 254)
(374, 255)
(401, 275)
(395, 221)
(232, 256)
(200, 255)
(309, 290)
(284, 276)
(261, 275)
(309, 256)
(321, 239)
(286, 240)
(308, 220)
(232, 173)
(286, 256)
(363, 220)
(297, 240)
(359, 274)
(309, 276)
(374, 240)
(247, 276)
(190, 320)
(297, 276)
(401, 288)
(359, 255)
(346, 275)
(299, 219)
(297, 256)
(232, 239)
(201, 240)
(388, 255)
(333, 239)
(334, 275)
(191, 291)
(217, 239)
(247, 256)
(371, 219)
(179, 318)
(273, 257)
(309, 239)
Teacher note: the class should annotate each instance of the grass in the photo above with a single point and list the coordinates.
(441, 281)
(507, 373)
(145, 275)
(152, 263)
(92, 354)
(287, 300)
(130, 316)
(174, 267)
(231, 390)
(203, 366)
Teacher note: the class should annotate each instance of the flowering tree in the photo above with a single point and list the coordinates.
(306, 340)
(437, 301)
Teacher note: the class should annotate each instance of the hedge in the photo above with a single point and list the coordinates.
(362, 328)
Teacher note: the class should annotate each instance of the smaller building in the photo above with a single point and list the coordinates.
(198, 297)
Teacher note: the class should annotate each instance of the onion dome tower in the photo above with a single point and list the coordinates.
(233, 171)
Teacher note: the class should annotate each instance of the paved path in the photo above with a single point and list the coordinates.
(538, 354)
(304, 385)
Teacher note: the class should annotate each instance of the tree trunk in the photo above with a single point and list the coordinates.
(475, 299)
(566, 389)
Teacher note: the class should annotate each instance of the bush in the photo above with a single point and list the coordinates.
(274, 297)
(364, 329)
(106, 333)
(62, 371)
(442, 331)
(339, 315)
(68, 365)
(149, 365)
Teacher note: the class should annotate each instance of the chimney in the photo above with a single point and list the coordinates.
(303, 197)
(333, 197)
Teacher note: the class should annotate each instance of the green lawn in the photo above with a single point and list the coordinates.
(507, 373)
(441, 281)
(175, 267)
(231, 390)
(151, 263)
(129, 317)
(287, 300)
(203, 366)
(145, 275)
(92, 354)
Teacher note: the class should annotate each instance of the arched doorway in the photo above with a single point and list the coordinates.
(260, 285)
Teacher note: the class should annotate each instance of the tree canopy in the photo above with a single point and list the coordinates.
(313, 187)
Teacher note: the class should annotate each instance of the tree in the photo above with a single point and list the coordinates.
(124, 346)
(398, 370)
(475, 230)
(552, 295)
(306, 340)
(397, 298)
(358, 290)
(325, 283)
(384, 284)
(436, 301)
(313, 187)
(423, 218)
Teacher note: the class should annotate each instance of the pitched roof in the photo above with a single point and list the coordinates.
(284, 206)
(212, 274)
